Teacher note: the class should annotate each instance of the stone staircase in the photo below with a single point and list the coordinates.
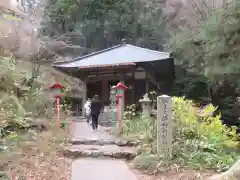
(86, 143)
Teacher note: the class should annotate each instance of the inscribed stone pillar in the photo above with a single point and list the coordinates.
(164, 126)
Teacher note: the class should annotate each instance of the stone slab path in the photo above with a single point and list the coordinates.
(101, 169)
(81, 130)
(85, 140)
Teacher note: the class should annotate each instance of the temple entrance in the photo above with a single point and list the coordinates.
(101, 88)
(94, 88)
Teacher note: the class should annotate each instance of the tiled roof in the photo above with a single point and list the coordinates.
(124, 54)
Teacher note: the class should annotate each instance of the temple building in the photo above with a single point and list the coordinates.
(141, 69)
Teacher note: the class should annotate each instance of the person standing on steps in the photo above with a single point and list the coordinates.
(96, 107)
(87, 110)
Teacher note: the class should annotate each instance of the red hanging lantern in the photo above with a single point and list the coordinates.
(121, 86)
(57, 90)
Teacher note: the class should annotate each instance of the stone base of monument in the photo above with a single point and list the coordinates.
(233, 173)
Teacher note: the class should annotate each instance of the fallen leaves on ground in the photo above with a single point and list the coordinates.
(40, 158)
(56, 167)
(173, 175)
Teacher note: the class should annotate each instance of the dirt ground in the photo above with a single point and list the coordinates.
(40, 160)
(57, 168)
(173, 175)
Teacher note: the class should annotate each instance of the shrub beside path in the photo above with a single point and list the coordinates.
(97, 155)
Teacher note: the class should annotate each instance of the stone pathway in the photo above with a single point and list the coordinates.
(101, 169)
(96, 155)
(81, 130)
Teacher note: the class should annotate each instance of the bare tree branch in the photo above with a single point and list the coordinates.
(191, 13)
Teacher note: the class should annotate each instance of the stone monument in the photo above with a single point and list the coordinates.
(164, 126)
(112, 109)
(146, 105)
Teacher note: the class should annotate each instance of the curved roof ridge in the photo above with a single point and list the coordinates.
(88, 55)
(149, 50)
(120, 54)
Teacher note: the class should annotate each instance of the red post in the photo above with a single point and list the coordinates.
(119, 111)
(58, 111)
(120, 105)
(56, 88)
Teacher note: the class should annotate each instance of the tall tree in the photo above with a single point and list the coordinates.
(213, 50)
(104, 23)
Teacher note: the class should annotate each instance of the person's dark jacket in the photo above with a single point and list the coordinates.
(96, 107)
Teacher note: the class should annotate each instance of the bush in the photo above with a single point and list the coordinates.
(203, 137)
(23, 153)
(21, 147)
(212, 51)
(130, 112)
(200, 140)
(147, 162)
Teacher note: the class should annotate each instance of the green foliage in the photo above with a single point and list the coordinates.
(203, 137)
(13, 107)
(19, 100)
(191, 86)
(65, 103)
(105, 23)
(147, 162)
(130, 112)
(20, 103)
(138, 126)
(200, 139)
(213, 49)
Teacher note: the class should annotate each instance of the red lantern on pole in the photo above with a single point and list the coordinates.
(57, 93)
(120, 87)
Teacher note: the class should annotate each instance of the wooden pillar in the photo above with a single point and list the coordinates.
(77, 109)
(102, 91)
(122, 80)
(147, 82)
(84, 95)
(133, 87)
(121, 77)
(105, 91)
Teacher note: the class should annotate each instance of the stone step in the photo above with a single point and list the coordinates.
(107, 123)
(77, 118)
(101, 122)
(113, 151)
(102, 142)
